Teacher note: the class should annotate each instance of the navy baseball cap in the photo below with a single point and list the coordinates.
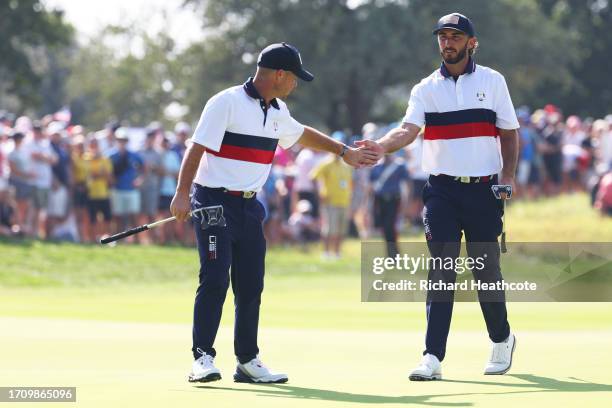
(286, 57)
(455, 21)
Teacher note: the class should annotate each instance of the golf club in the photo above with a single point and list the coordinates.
(498, 189)
(142, 228)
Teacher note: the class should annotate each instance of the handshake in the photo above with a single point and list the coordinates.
(366, 154)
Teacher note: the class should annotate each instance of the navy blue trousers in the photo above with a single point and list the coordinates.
(233, 253)
(452, 207)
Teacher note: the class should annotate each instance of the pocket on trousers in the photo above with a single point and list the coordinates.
(260, 210)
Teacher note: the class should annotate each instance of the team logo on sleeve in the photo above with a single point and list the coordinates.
(481, 96)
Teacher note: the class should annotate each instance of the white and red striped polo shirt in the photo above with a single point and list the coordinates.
(461, 120)
(240, 136)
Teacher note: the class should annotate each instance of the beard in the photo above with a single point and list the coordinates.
(453, 60)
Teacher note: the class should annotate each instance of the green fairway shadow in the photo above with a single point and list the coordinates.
(315, 394)
(545, 384)
(534, 384)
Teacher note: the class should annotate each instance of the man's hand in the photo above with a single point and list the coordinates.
(180, 206)
(360, 157)
(376, 151)
(509, 180)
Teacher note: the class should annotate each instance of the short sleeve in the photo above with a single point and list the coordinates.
(506, 115)
(213, 122)
(415, 113)
(292, 130)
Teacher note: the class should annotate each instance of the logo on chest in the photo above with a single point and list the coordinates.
(481, 96)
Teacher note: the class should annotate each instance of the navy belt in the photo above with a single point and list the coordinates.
(467, 179)
(243, 194)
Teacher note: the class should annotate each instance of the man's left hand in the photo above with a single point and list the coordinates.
(509, 180)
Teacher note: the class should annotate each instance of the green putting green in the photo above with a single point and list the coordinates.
(145, 365)
(115, 323)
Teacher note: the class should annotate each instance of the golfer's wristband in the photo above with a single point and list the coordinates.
(343, 151)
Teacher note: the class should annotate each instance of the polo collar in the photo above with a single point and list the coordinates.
(469, 68)
(250, 90)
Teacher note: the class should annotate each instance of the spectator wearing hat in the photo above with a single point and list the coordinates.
(572, 140)
(99, 174)
(6, 119)
(182, 132)
(551, 151)
(151, 171)
(528, 174)
(127, 176)
(170, 164)
(42, 157)
(20, 179)
(23, 124)
(59, 198)
(79, 186)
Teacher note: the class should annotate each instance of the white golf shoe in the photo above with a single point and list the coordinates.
(256, 372)
(429, 369)
(501, 356)
(203, 369)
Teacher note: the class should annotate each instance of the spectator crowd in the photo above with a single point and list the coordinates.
(59, 181)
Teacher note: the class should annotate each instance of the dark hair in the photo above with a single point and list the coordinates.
(17, 136)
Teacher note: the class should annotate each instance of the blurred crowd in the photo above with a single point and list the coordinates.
(61, 181)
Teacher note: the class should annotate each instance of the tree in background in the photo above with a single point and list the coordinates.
(123, 74)
(360, 52)
(587, 23)
(366, 55)
(28, 32)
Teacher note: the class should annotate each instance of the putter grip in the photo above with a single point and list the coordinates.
(503, 243)
(124, 234)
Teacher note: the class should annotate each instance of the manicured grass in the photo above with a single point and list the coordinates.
(37, 264)
(146, 364)
(115, 322)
